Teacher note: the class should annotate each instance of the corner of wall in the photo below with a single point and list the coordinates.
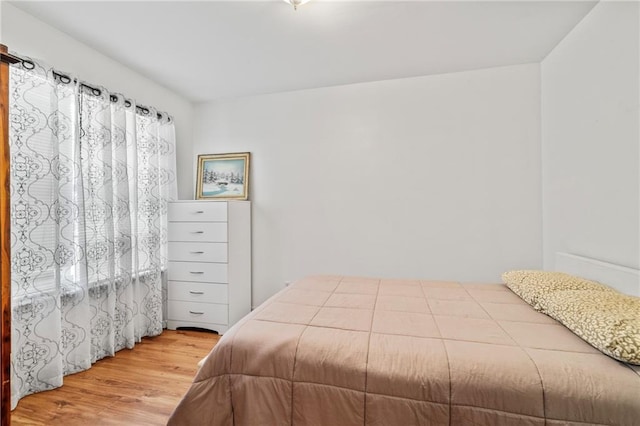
(590, 124)
(596, 3)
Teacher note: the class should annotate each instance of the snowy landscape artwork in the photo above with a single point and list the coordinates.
(223, 176)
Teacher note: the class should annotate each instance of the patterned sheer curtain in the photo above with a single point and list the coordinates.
(90, 181)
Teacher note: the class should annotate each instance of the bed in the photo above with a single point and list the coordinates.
(332, 350)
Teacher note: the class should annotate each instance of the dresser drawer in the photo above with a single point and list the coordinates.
(198, 212)
(198, 271)
(215, 232)
(198, 292)
(199, 312)
(198, 252)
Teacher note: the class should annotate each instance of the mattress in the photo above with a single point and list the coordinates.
(331, 350)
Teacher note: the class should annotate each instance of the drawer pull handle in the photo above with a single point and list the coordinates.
(196, 252)
(196, 292)
(196, 313)
(196, 272)
(198, 232)
(200, 211)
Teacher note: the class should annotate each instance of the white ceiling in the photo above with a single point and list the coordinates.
(218, 49)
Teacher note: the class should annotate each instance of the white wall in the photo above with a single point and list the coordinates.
(26, 35)
(590, 138)
(430, 177)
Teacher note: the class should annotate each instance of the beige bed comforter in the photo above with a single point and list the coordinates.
(357, 351)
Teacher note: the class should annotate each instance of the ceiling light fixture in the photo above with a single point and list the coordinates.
(296, 3)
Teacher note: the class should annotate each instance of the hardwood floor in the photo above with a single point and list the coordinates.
(136, 387)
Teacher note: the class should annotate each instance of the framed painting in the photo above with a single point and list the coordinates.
(223, 176)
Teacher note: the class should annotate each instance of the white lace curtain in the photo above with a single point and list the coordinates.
(90, 181)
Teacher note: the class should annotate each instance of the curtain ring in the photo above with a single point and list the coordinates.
(29, 65)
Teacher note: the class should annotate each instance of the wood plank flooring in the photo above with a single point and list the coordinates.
(141, 386)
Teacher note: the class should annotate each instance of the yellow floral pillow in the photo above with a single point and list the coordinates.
(608, 321)
(531, 285)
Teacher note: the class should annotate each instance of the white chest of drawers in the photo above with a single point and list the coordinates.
(209, 264)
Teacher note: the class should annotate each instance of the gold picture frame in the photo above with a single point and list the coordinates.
(223, 176)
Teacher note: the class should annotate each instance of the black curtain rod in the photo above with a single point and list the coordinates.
(8, 58)
(65, 79)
